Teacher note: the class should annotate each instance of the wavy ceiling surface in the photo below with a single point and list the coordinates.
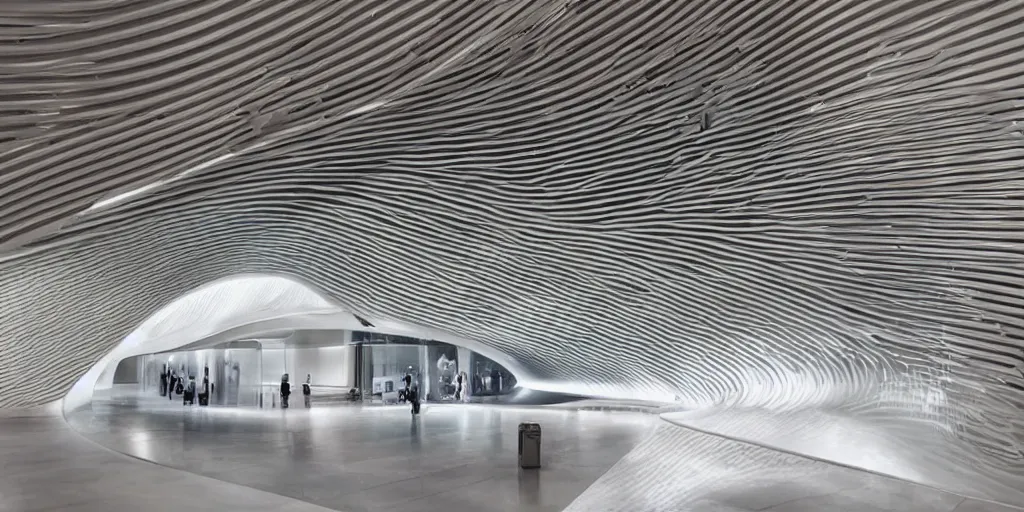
(782, 205)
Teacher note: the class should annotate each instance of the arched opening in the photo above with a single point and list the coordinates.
(281, 315)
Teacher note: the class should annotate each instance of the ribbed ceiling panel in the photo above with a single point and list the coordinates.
(782, 204)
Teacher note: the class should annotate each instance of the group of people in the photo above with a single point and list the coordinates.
(286, 391)
(172, 384)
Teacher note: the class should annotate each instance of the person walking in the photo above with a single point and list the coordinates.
(172, 382)
(307, 391)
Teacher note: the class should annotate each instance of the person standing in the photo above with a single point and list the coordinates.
(163, 380)
(172, 381)
(414, 399)
(286, 391)
(307, 391)
(190, 391)
(204, 391)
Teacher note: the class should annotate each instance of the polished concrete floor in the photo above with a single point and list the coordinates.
(450, 457)
(46, 466)
(678, 469)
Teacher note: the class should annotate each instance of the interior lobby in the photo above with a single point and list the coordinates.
(518, 255)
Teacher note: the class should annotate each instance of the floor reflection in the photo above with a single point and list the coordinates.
(463, 457)
(377, 458)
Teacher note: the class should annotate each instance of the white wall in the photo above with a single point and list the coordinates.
(329, 366)
(127, 371)
(274, 362)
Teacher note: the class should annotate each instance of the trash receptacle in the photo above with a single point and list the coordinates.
(529, 445)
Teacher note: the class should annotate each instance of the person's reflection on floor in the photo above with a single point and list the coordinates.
(415, 441)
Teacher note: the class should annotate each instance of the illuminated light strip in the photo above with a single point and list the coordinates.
(152, 186)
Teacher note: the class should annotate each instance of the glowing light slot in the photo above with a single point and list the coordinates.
(146, 188)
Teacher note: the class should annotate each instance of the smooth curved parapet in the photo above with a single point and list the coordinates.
(873, 439)
(782, 206)
(718, 474)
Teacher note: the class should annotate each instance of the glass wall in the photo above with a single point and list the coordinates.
(248, 373)
(442, 372)
(489, 378)
(436, 372)
(385, 368)
(234, 373)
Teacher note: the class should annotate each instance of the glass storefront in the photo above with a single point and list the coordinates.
(443, 372)
(371, 367)
(489, 378)
(385, 368)
(433, 365)
(234, 373)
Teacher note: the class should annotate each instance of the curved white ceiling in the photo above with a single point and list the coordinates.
(229, 303)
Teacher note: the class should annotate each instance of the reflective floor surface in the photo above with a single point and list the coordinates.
(450, 457)
(46, 466)
(678, 469)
